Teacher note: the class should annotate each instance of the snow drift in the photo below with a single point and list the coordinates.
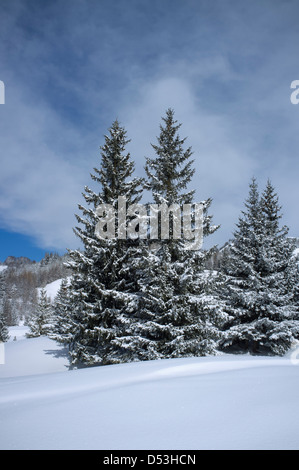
(222, 402)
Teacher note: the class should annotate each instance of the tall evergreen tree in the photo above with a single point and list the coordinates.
(102, 285)
(4, 334)
(261, 279)
(61, 328)
(40, 321)
(170, 171)
(176, 315)
(11, 305)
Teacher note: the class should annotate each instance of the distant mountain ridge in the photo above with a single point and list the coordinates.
(20, 281)
(17, 261)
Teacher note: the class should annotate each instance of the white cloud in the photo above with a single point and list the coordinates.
(226, 74)
(224, 167)
(40, 184)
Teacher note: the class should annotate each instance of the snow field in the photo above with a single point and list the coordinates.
(52, 289)
(219, 402)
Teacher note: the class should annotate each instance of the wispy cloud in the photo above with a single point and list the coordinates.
(70, 68)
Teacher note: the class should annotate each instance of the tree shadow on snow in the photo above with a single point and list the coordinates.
(61, 352)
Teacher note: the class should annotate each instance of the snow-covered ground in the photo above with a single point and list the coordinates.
(224, 402)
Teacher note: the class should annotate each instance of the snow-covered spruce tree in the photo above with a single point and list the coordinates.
(2, 289)
(177, 314)
(11, 305)
(61, 314)
(40, 321)
(4, 334)
(102, 287)
(261, 280)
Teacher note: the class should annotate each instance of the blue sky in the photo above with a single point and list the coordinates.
(71, 67)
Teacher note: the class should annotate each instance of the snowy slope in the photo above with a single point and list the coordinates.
(225, 402)
(52, 289)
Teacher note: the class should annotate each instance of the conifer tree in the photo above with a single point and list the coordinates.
(61, 329)
(102, 284)
(11, 305)
(4, 334)
(261, 279)
(2, 290)
(170, 171)
(176, 315)
(40, 321)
